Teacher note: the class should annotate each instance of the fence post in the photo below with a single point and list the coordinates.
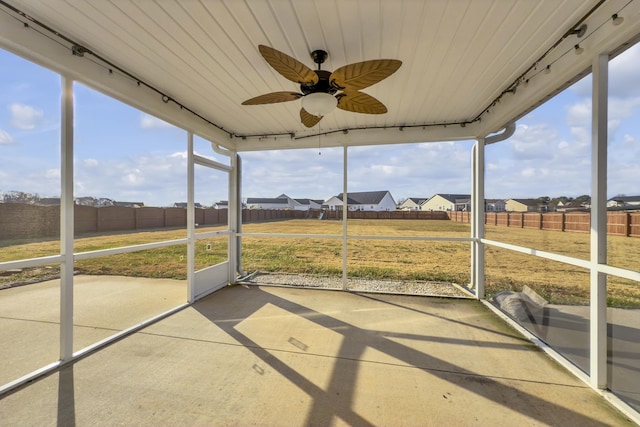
(562, 220)
(627, 224)
(541, 216)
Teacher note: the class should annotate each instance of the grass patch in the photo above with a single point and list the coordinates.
(375, 259)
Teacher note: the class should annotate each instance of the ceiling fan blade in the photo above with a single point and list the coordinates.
(360, 102)
(308, 119)
(272, 98)
(290, 68)
(363, 74)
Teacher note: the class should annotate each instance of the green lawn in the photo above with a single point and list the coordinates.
(392, 259)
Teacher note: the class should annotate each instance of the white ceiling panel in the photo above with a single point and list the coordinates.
(459, 57)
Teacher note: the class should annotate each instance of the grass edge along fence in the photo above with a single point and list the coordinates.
(23, 221)
(618, 223)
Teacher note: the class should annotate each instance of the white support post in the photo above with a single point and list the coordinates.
(477, 212)
(66, 221)
(237, 173)
(191, 221)
(598, 300)
(472, 283)
(232, 218)
(345, 207)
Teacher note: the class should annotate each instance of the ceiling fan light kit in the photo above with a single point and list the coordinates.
(322, 91)
(319, 103)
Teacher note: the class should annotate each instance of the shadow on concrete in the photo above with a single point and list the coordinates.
(66, 397)
(336, 400)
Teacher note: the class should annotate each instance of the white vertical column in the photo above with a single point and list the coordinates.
(237, 173)
(478, 217)
(66, 221)
(232, 217)
(598, 301)
(191, 221)
(345, 206)
(472, 283)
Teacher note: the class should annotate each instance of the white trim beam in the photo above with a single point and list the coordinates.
(203, 161)
(362, 137)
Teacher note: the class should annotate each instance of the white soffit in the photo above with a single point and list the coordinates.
(461, 60)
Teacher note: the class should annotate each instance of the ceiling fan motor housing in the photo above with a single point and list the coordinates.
(323, 85)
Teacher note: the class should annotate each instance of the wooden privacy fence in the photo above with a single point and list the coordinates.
(23, 221)
(618, 223)
(19, 221)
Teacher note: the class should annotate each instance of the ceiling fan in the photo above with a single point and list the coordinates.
(323, 90)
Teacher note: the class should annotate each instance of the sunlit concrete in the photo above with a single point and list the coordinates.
(104, 305)
(249, 355)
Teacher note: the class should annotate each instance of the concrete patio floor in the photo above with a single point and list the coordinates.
(269, 356)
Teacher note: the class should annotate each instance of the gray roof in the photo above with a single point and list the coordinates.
(364, 197)
(308, 201)
(265, 200)
(128, 204)
(453, 197)
(417, 200)
(625, 199)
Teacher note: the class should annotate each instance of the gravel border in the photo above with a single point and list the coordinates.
(405, 287)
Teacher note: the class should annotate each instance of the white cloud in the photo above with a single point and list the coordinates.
(156, 180)
(533, 141)
(52, 174)
(579, 114)
(5, 137)
(150, 122)
(622, 108)
(24, 116)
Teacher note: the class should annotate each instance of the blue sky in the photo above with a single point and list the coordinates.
(124, 154)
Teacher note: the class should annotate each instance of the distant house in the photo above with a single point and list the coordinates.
(525, 205)
(222, 204)
(183, 205)
(494, 205)
(49, 201)
(447, 202)
(306, 204)
(129, 204)
(412, 204)
(268, 203)
(283, 202)
(572, 205)
(363, 201)
(632, 202)
(463, 204)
